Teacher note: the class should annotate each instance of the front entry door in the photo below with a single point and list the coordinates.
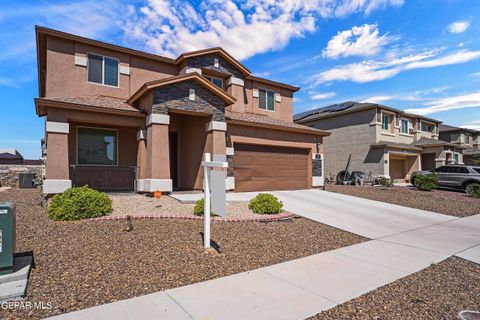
(173, 143)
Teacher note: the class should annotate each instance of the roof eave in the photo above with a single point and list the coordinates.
(46, 103)
(219, 50)
(278, 127)
(191, 76)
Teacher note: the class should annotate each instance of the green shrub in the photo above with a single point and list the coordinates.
(386, 182)
(79, 203)
(473, 190)
(199, 206)
(265, 203)
(426, 182)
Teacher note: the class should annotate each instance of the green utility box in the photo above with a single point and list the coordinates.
(7, 237)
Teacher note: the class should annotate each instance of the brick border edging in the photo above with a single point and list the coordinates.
(266, 218)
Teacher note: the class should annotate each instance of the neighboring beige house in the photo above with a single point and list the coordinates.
(383, 141)
(467, 138)
(122, 119)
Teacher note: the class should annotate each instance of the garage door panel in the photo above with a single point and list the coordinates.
(269, 168)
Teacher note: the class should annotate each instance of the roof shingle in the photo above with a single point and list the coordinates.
(97, 101)
(265, 120)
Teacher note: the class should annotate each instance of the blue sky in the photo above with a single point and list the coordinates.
(420, 56)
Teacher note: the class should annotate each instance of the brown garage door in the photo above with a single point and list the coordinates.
(259, 168)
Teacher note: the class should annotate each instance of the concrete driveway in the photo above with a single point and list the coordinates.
(406, 241)
(372, 219)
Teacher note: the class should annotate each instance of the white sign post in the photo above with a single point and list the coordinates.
(207, 167)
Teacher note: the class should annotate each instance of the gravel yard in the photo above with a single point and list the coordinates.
(85, 263)
(438, 292)
(452, 203)
(138, 205)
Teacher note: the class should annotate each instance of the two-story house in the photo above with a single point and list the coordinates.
(122, 119)
(383, 141)
(463, 137)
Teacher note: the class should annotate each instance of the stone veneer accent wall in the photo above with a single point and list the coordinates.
(9, 173)
(208, 62)
(175, 96)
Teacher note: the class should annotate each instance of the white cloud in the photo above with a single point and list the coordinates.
(321, 96)
(366, 6)
(379, 99)
(244, 29)
(458, 26)
(359, 41)
(471, 100)
(475, 125)
(476, 74)
(370, 70)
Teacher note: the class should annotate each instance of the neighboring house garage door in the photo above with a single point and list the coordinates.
(259, 168)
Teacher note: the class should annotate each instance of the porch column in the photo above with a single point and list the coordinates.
(217, 146)
(158, 155)
(57, 170)
(141, 160)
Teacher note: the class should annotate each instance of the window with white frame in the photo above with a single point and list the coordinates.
(404, 126)
(96, 146)
(266, 99)
(216, 81)
(102, 70)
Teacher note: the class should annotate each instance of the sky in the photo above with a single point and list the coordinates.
(420, 56)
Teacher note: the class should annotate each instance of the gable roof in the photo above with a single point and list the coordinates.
(186, 77)
(42, 32)
(218, 50)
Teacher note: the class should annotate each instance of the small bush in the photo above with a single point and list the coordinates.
(79, 203)
(473, 190)
(385, 181)
(426, 182)
(199, 206)
(265, 203)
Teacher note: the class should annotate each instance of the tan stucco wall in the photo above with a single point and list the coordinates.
(283, 110)
(126, 144)
(65, 79)
(351, 134)
(57, 156)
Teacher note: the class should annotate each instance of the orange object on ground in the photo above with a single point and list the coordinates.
(157, 194)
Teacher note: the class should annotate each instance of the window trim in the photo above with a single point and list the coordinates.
(266, 100)
(391, 124)
(103, 70)
(212, 77)
(428, 123)
(98, 165)
(408, 126)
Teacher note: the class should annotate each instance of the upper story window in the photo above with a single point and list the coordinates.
(96, 146)
(102, 70)
(387, 120)
(405, 126)
(216, 81)
(427, 127)
(266, 99)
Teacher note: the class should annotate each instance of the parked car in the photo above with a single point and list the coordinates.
(453, 176)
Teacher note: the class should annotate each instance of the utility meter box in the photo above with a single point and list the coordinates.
(7, 237)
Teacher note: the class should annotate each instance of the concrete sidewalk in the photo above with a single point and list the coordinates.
(406, 240)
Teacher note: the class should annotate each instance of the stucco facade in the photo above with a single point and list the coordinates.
(381, 140)
(150, 129)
